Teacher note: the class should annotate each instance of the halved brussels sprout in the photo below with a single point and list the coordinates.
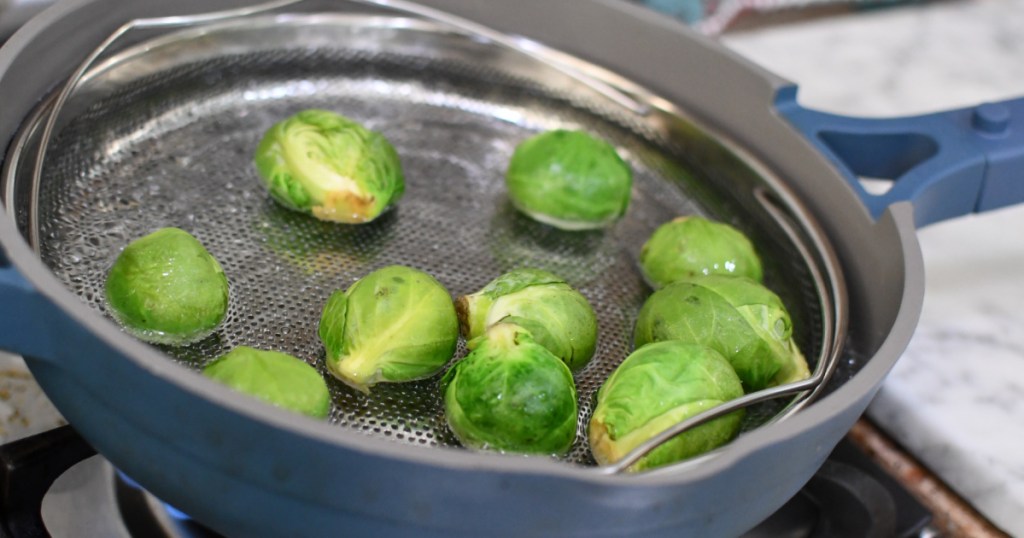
(324, 164)
(165, 288)
(692, 246)
(741, 319)
(557, 316)
(658, 386)
(511, 394)
(279, 378)
(569, 179)
(395, 324)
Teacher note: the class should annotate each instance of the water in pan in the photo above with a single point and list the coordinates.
(176, 150)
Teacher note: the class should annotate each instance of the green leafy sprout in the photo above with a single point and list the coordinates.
(394, 324)
(557, 316)
(569, 179)
(278, 378)
(510, 394)
(166, 288)
(324, 164)
(693, 246)
(736, 316)
(658, 386)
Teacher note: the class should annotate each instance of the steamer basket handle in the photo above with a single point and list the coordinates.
(946, 164)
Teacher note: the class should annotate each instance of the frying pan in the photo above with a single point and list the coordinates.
(752, 155)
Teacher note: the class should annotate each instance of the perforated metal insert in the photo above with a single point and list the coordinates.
(174, 148)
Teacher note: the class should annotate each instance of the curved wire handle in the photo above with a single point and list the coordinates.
(833, 318)
(521, 45)
(77, 77)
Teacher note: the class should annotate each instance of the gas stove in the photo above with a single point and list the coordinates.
(54, 484)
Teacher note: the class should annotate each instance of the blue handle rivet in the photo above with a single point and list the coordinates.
(991, 118)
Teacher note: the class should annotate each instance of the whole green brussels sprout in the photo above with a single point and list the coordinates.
(394, 324)
(511, 394)
(741, 319)
(557, 316)
(658, 386)
(279, 378)
(569, 179)
(324, 164)
(165, 288)
(691, 246)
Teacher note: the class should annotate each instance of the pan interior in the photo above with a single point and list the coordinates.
(164, 135)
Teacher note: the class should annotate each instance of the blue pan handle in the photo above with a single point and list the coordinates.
(946, 164)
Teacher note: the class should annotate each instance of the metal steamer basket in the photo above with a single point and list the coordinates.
(156, 127)
(165, 138)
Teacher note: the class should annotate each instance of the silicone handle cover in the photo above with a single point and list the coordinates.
(946, 164)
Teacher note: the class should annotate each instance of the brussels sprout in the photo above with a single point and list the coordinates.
(275, 377)
(329, 166)
(739, 318)
(656, 387)
(395, 324)
(692, 246)
(512, 395)
(165, 288)
(569, 179)
(557, 316)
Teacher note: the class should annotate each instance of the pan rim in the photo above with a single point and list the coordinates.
(777, 186)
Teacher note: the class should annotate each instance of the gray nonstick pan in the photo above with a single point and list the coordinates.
(122, 117)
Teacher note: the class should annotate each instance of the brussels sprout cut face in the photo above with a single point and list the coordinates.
(656, 387)
(166, 288)
(557, 316)
(739, 318)
(569, 179)
(511, 394)
(329, 166)
(278, 378)
(693, 246)
(395, 324)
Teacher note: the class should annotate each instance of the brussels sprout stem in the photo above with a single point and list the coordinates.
(358, 206)
(472, 313)
(356, 371)
(504, 335)
(793, 370)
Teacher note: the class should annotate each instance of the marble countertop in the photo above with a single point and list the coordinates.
(24, 409)
(956, 398)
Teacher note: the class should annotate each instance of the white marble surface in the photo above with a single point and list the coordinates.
(956, 397)
(24, 409)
